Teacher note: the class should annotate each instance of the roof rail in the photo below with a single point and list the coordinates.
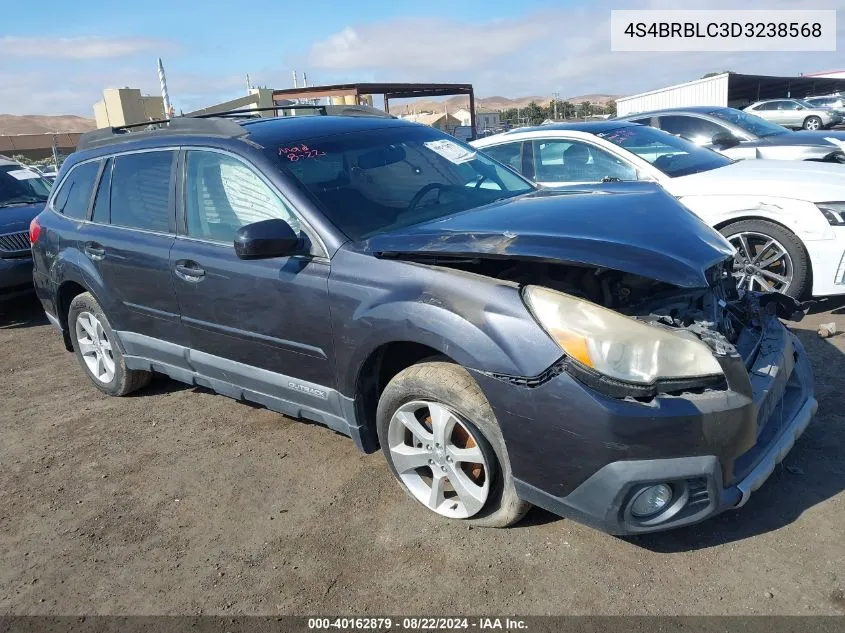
(175, 126)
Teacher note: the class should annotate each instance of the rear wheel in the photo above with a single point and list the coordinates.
(812, 123)
(769, 258)
(442, 442)
(97, 351)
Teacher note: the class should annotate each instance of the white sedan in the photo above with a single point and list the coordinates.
(786, 219)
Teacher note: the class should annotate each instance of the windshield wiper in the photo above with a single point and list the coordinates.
(21, 201)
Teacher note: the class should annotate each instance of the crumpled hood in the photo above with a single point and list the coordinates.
(16, 219)
(798, 180)
(631, 227)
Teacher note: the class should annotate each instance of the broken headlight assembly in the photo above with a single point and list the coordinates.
(834, 212)
(618, 354)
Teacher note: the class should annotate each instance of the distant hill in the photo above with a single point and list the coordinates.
(490, 103)
(40, 124)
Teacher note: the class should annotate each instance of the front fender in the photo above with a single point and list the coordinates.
(800, 216)
(479, 322)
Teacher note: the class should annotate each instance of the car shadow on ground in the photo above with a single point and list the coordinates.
(836, 305)
(21, 312)
(813, 472)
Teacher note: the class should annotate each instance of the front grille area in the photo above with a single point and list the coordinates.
(14, 242)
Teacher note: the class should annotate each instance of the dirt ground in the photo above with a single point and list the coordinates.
(179, 501)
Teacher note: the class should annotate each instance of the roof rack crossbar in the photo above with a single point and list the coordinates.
(175, 126)
(225, 113)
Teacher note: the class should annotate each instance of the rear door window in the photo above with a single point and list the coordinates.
(575, 161)
(141, 191)
(509, 154)
(73, 199)
(699, 131)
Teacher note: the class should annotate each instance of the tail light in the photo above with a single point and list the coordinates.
(34, 230)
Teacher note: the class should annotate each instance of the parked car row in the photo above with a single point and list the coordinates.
(22, 196)
(784, 218)
(589, 345)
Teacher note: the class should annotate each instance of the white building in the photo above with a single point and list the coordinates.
(731, 89)
(484, 119)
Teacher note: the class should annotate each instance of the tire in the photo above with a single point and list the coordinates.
(812, 123)
(451, 386)
(799, 260)
(120, 381)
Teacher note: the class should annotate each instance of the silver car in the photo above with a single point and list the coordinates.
(795, 113)
(834, 102)
(742, 135)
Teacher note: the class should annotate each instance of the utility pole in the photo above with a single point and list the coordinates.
(555, 100)
(55, 154)
(165, 97)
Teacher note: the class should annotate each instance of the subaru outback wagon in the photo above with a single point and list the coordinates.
(586, 351)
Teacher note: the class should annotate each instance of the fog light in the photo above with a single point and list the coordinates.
(651, 500)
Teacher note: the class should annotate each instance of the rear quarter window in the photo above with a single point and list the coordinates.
(74, 195)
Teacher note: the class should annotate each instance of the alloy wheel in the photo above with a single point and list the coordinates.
(812, 124)
(439, 457)
(94, 346)
(761, 263)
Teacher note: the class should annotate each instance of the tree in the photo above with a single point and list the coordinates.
(534, 114)
(610, 108)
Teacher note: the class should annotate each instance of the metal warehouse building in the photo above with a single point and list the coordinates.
(728, 89)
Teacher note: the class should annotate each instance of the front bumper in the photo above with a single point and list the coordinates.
(827, 258)
(585, 456)
(15, 276)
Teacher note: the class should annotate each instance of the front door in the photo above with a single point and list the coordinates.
(260, 324)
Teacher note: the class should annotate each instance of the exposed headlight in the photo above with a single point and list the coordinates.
(834, 212)
(618, 346)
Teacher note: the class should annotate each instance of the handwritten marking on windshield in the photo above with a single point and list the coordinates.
(298, 152)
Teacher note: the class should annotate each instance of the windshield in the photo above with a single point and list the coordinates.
(752, 123)
(670, 154)
(19, 186)
(374, 181)
(809, 105)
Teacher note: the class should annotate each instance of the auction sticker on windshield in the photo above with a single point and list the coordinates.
(22, 174)
(450, 151)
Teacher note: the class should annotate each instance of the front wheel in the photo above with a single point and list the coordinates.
(769, 258)
(442, 442)
(812, 123)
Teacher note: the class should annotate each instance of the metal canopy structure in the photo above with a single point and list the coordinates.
(389, 90)
(757, 87)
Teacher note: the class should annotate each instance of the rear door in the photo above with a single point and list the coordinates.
(261, 324)
(128, 241)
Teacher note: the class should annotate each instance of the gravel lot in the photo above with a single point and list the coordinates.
(178, 501)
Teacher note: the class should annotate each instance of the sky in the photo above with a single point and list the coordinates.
(58, 59)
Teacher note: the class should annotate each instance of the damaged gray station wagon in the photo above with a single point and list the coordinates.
(586, 351)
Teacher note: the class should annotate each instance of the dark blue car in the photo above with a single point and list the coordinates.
(582, 351)
(22, 196)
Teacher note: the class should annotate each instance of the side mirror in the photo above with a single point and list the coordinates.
(724, 140)
(266, 239)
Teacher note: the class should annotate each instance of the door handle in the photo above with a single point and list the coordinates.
(189, 271)
(94, 251)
